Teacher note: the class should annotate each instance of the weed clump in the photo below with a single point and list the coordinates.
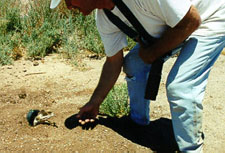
(40, 31)
(116, 103)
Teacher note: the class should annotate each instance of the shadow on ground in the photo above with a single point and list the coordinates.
(158, 136)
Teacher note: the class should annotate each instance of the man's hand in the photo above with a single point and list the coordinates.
(88, 113)
(145, 52)
(110, 72)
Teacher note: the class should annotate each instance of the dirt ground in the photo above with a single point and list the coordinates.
(53, 84)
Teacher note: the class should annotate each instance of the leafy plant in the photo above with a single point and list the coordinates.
(116, 103)
(5, 55)
(39, 31)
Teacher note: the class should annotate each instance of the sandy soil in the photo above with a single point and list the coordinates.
(53, 84)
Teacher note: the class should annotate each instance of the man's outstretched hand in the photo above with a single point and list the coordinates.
(88, 113)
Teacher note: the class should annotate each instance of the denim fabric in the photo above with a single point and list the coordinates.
(137, 75)
(185, 86)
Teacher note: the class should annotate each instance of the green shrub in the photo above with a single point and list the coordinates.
(14, 20)
(10, 19)
(59, 30)
(116, 103)
(41, 31)
(90, 37)
(10, 28)
(5, 52)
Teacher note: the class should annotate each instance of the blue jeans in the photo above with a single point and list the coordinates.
(185, 86)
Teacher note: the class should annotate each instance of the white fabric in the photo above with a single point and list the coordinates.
(212, 13)
(156, 15)
(54, 3)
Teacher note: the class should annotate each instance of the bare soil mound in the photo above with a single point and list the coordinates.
(53, 84)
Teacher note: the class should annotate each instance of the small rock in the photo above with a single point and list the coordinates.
(37, 58)
(13, 102)
(35, 63)
(22, 95)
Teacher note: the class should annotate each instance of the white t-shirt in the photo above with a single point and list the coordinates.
(212, 14)
(156, 15)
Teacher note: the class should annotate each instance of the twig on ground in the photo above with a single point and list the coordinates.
(35, 73)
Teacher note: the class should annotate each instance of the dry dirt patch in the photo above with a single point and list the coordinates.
(55, 85)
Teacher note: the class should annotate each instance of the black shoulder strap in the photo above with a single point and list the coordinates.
(140, 30)
(156, 68)
(121, 25)
(133, 20)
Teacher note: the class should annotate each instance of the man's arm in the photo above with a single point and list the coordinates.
(172, 37)
(110, 72)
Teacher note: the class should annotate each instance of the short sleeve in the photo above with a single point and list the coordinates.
(113, 42)
(172, 11)
(113, 39)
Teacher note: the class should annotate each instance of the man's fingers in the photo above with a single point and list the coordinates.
(92, 120)
(87, 120)
(82, 122)
(87, 114)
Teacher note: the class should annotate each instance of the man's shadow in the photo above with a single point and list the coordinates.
(158, 136)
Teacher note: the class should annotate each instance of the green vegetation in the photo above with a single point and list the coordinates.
(116, 103)
(34, 29)
(39, 31)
